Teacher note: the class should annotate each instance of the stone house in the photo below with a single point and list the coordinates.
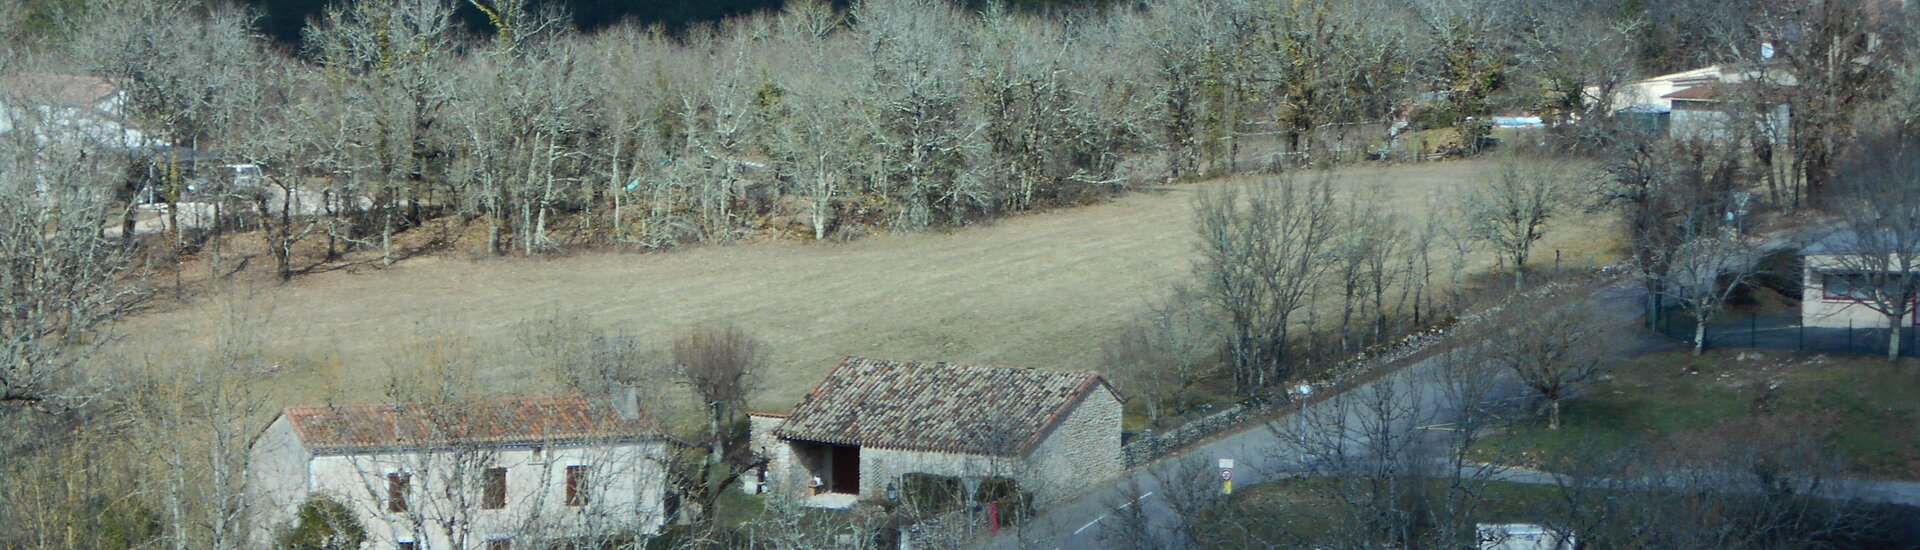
(871, 421)
(481, 474)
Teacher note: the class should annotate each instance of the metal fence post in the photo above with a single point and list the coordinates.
(1849, 336)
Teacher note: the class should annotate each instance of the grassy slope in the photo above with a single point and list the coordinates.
(1877, 405)
(1039, 290)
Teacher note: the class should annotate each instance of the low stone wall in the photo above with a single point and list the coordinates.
(1146, 448)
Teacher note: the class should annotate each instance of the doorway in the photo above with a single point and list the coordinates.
(843, 467)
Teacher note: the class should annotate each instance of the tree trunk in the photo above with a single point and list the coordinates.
(1894, 330)
(1553, 415)
(1699, 334)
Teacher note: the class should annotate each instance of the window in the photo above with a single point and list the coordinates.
(397, 484)
(576, 486)
(500, 544)
(408, 545)
(1847, 286)
(493, 483)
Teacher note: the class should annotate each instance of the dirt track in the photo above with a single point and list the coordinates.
(1038, 290)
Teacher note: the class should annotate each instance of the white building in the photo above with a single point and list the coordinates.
(1700, 102)
(1523, 536)
(1835, 291)
(76, 110)
(871, 421)
(484, 474)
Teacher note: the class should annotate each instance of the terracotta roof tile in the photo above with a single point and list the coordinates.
(1706, 92)
(932, 406)
(68, 88)
(377, 426)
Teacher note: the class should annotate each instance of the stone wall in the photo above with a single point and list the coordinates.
(878, 467)
(1083, 447)
(782, 468)
(1148, 447)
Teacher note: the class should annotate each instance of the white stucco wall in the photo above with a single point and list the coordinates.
(276, 480)
(626, 484)
(1819, 311)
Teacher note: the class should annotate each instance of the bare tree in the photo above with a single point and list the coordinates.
(1163, 353)
(1705, 270)
(1262, 251)
(1510, 213)
(1395, 456)
(1553, 349)
(198, 417)
(1841, 55)
(63, 281)
(720, 364)
(1876, 254)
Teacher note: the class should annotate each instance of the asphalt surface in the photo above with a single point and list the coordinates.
(1400, 413)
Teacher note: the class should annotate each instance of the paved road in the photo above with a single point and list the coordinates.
(1140, 505)
(1400, 413)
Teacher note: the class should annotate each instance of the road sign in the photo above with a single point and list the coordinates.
(1226, 476)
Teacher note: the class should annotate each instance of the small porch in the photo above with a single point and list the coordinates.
(831, 472)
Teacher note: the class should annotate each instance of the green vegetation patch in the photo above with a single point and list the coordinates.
(1864, 407)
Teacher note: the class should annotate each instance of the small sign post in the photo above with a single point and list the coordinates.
(1226, 476)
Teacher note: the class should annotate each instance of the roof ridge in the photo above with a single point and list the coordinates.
(388, 404)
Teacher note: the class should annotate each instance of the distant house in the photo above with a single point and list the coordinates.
(1704, 111)
(1698, 102)
(471, 475)
(77, 110)
(871, 421)
(1523, 536)
(1835, 290)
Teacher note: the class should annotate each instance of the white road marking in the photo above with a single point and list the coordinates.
(1104, 516)
(1089, 524)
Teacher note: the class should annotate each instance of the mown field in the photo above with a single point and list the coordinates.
(1039, 290)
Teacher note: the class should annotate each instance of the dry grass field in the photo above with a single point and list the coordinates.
(1040, 290)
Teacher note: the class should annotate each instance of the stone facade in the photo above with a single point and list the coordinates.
(1820, 308)
(1081, 447)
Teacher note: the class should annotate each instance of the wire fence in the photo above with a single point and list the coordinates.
(1783, 332)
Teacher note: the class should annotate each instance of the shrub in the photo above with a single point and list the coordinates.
(323, 524)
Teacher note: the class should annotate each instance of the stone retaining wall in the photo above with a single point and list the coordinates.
(1147, 447)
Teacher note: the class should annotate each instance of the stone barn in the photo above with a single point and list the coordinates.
(871, 421)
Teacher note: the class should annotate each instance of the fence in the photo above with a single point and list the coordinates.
(1783, 332)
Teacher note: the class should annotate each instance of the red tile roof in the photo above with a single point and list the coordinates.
(69, 88)
(1696, 93)
(524, 420)
(932, 406)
